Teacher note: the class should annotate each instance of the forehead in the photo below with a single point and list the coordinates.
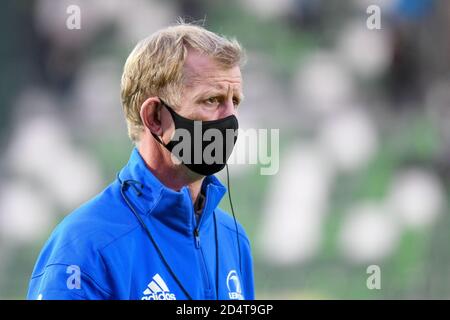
(202, 70)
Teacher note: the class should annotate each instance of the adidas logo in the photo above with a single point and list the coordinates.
(157, 290)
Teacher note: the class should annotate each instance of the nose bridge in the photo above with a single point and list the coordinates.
(229, 108)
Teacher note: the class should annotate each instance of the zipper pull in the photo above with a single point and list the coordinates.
(197, 238)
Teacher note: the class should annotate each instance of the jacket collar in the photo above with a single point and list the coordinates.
(172, 208)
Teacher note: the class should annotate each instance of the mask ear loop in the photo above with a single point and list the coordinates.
(173, 114)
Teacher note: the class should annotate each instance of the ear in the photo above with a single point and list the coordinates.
(151, 115)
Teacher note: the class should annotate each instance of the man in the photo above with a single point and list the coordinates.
(156, 232)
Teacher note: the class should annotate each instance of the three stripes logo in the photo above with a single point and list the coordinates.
(157, 290)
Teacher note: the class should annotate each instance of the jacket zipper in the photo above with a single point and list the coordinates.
(197, 238)
(204, 267)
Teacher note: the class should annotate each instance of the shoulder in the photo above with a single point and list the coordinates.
(74, 249)
(88, 229)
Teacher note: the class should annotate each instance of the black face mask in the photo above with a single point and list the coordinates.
(202, 146)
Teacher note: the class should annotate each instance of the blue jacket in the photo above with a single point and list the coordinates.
(101, 251)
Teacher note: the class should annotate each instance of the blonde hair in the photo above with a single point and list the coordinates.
(155, 66)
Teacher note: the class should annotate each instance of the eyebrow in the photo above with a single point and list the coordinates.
(214, 92)
(219, 89)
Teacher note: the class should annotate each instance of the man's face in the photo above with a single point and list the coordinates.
(210, 92)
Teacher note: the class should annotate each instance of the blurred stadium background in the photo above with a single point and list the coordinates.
(364, 134)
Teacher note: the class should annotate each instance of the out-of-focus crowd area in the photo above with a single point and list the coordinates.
(364, 134)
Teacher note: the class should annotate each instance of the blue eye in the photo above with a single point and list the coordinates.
(213, 100)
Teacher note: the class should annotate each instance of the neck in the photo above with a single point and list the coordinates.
(173, 176)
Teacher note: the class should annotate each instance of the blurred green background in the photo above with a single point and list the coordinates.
(364, 137)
